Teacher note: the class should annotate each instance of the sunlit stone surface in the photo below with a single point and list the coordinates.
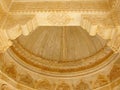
(59, 44)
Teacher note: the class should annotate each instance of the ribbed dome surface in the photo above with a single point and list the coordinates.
(61, 43)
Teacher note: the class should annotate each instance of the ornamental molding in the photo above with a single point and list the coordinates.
(59, 19)
(73, 5)
(30, 80)
(86, 64)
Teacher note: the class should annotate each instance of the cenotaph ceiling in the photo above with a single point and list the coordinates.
(59, 44)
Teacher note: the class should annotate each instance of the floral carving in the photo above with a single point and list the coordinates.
(115, 72)
(10, 69)
(26, 79)
(63, 86)
(100, 81)
(115, 44)
(3, 87)
(43, 85)
(82, 86)
(58, 18)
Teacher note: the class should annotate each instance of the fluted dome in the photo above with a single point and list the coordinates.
(56, 50)
(61, 43)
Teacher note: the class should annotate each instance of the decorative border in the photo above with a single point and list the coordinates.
(40, 63)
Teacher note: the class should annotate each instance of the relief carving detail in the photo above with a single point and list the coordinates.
(63, 86)
(82, 86)
(58, 18)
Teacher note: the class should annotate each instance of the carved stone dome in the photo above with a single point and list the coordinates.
(60, 49)
(61, 43)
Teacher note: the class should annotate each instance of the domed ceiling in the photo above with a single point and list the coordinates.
(60, 50)
(61, 43)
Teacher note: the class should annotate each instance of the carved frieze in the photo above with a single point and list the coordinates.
(101, 80)
(82, 86)
(10, 69)
(25, 79)
(63, 86)
(45, 85)
(115, 72)
(58, 18)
